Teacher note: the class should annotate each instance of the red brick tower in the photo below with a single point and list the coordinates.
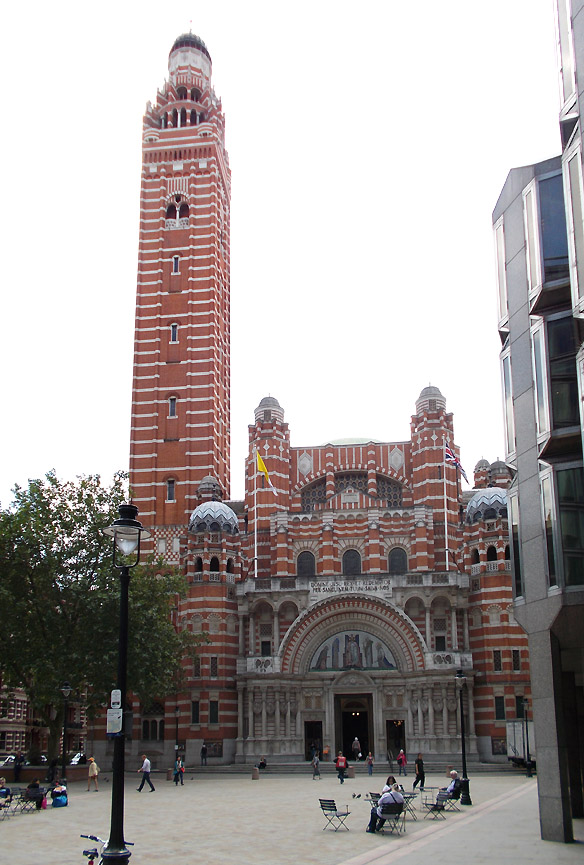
(181, 379)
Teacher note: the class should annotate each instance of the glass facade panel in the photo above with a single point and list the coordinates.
(562, 365)
(571, 504)
(532, 238)
(554, 236)
(576, 221)
(548, 521)
(508, 405)
(541, 412)
(514, 529)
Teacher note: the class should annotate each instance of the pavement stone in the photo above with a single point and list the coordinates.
(277, 821)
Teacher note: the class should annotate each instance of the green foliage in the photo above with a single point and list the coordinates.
(59, 600)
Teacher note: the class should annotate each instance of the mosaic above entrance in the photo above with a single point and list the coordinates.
(357, 650)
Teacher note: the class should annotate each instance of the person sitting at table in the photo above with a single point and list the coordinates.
(454, 785)
(386, 798)
(5, 793)
(34, 792)
(390, 782)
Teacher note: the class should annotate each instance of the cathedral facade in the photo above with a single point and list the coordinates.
(343, 594)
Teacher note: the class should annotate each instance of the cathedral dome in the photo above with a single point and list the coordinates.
(482, 465)
(210, 485)
(213, 517)
(487, 505)
(189, 40)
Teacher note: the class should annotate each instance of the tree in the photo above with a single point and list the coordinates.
(59, 601)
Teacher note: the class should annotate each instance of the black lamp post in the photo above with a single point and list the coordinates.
(527, 754)
(65, 690)
(464, 784)
(127, 533)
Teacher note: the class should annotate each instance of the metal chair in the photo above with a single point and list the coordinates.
(335, 818)
(436, 809)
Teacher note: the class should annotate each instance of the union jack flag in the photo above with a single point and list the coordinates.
(450, 457)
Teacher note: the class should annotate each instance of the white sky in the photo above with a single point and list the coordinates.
(368, 144)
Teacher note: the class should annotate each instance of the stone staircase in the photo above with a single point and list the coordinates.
(304, 768)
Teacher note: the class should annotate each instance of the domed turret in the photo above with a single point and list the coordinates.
(488, 504)
(213, 517)
(430, 399)
(269, 409)
(189, 40)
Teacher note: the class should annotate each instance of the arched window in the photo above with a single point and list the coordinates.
(170, 492)
(174, 332)
(175, 263)
(175, 118)
(181, 93)
(195, 94)
(183, 117)
(214, 564)
(507, 553)
(351, 563)
(172, 406)
(184, 211)
(230, 566)
(193, 117)
(198, 564)
(171, 211)
(398, 561)
(305, 564)
(491, 554)
(475, 559)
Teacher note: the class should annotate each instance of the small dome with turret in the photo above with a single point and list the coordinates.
(430, 399)
(269, 409)
(482, 465)
(213, 516)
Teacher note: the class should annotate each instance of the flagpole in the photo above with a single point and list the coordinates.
(445, 511)
(255, 513)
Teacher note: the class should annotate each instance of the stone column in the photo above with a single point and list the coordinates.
(431, 730)
(241, 619)
(288, 716)
(410, 717)
(250, 724)
(276, 636)
(454, 629)
(240, 714)
(420, 718)
(264, 714)
(445, 710)
(298, 716)
(428, 634)
(252, 640)
(277, 716)
(465, 637)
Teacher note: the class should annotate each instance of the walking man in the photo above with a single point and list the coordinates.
(145, 769)
(203, 754)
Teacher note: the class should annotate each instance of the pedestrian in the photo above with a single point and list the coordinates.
(315, 767)
(370, 762)
(420, 775)
(203, 754)
(341, 764)
(18, 764)
(179, 771)
(145, 769)
(356, 748)
(92, 773)
(402, 762)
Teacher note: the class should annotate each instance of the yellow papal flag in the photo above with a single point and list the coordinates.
(262, 468)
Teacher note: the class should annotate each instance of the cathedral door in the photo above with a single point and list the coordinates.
(312, 739)
(353, 718)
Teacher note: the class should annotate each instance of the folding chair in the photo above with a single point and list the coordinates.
(453, 800)
(436, 809)
(373, 798)
(394, 815)
(334, 817)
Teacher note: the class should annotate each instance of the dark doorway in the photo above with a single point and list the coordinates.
(396, 738)
(312, 738)
(353, 717)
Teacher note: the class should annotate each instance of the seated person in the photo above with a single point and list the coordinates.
(34, 792)
(262, 764)
(390, 795)
(454, 786)
(59, 796)
(5, 794)
(390, 782)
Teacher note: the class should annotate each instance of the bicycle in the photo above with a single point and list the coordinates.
(94, 853)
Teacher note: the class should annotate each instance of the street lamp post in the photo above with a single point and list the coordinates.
(527, 754)
(65, 690)
(464, 784)
(127, 533)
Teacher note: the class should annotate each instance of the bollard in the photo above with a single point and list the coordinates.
(255, 774)
(351, 772)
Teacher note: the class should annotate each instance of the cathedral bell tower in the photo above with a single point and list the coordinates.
(181, 376)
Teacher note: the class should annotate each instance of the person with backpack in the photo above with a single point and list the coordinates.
(402, 762)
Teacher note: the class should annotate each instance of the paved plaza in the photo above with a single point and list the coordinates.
(216, 819)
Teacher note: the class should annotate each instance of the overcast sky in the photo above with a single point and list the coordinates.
(368, 144)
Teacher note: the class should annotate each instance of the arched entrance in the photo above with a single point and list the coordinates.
(353, 718)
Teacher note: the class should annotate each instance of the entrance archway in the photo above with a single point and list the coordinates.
(353, 717)
(396, 738)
